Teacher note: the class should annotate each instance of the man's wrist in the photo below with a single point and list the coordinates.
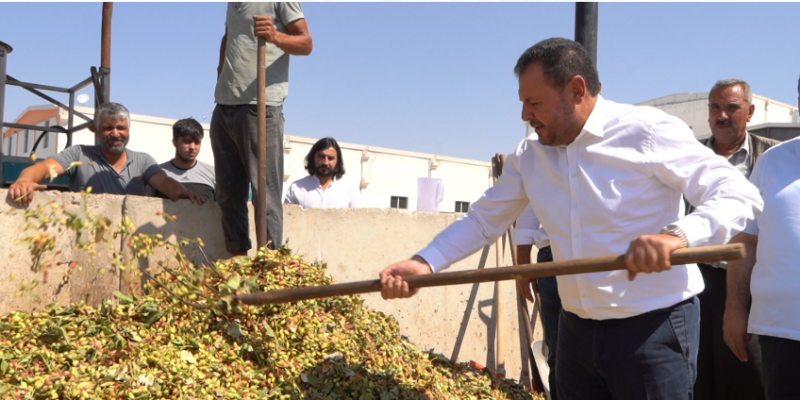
(421, 260)
(676, 231)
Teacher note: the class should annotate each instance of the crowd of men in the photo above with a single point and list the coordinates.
(599, 178)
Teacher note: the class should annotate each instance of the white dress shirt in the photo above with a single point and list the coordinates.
(308, 193)
(776, 274)
(528, 230)
(621, 178)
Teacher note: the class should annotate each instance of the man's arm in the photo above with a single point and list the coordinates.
(222, 47)
(22, 190)
(174, 189)
(486, 220)
(297, 43)
(737, 301)
(725, 200)
(528, 232)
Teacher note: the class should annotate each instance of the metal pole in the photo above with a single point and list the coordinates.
(4, 51)
(586, 27)
(105, 49)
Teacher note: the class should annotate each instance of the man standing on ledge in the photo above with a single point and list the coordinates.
(234, 124)
(604, 179)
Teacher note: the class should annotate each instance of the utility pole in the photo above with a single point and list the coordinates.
(586, 27)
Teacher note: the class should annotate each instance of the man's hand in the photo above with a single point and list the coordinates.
(192, 196)
(650, 253)
(21, 191)
(264, 27)
(527, 287)
(734, 330)
(394, 286)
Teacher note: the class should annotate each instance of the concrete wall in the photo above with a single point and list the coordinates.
(458, 321)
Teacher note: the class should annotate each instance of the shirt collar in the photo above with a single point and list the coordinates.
(96, 150)
(745, 145)
(319, 184)
(595, 124)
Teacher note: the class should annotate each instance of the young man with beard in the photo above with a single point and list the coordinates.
(107, 167)
(324, 186)
(605, 179)
(195, 175)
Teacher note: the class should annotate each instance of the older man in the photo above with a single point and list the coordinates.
(720, 376)
(604, 179)
(107, 167)
(762, 289)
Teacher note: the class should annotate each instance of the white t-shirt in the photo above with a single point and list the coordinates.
(776, 276)
(307, 192)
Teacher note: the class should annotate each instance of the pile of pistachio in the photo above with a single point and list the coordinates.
(155, 346)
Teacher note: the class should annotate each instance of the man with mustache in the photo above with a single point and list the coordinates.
(605, 178)
(195, 175)
(107, 167)
(720, 375)
(762, 295)
(324, 186)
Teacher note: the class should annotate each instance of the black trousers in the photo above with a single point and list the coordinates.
(782, 367)
(720, 375)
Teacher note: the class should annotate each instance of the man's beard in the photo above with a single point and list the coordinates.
(114, 148)
(326, 172)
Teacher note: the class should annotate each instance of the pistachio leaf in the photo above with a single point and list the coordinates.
(188, 357)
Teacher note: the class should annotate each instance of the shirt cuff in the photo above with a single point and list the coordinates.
(537, 237)
(751, 227)
(695, 230)
(434, 258)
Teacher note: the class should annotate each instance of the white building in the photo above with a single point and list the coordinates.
(692, 108)
(387, 177)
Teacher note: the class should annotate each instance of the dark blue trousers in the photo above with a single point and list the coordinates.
(652, 356)
(551, 308)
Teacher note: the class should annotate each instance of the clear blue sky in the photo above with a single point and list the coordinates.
(429, 77)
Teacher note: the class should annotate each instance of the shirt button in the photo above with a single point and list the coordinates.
(574, 205)
(575, 236)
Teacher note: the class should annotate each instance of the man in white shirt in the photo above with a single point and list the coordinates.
(324, 186)
(604, 179)
(770, 275)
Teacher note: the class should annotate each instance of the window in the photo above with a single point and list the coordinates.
(26, 141)
(399, 202)
(462, 206)
(46, 135)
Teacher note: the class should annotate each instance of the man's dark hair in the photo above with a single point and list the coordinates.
(188, 127)
(323, 144)
(561, 59)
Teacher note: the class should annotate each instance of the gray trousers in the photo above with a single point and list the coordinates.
(234, 140)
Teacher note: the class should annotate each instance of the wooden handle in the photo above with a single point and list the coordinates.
(261, 195)
(708, 254)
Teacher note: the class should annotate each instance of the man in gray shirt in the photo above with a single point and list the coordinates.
(107, 167)
(195, 175)
(234, 123)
